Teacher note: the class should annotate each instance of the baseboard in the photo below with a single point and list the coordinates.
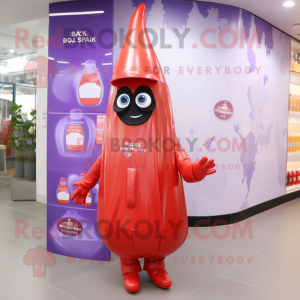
(209, 221)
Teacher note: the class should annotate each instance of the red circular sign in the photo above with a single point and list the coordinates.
(69, 226)
(223, 110)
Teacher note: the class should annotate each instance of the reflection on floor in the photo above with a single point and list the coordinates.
(214, 263)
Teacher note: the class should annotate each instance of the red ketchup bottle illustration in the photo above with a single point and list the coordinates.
(100, 129)
(88, 200)
(62, 192)
(74, 131)
(90, 89)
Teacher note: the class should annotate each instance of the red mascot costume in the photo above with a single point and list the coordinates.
(141, 205)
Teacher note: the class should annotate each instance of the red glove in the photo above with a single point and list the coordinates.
(203, 167)
(192, 171)
(79, 194)
(87, 183)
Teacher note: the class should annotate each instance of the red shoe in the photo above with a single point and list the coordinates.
(160, 278)
(132, 282)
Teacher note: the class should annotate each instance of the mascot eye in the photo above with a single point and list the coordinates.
(123, 101)
(143, 100)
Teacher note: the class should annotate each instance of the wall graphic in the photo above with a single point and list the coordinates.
(211, 53)
(77, 100)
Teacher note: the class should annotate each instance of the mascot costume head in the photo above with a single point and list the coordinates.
(141, 205)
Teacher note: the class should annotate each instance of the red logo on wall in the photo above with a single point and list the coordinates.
(223, 110)
(69, 226)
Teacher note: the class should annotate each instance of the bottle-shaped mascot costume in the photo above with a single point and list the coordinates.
(141, 205)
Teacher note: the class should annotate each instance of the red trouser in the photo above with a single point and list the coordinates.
(129, 265)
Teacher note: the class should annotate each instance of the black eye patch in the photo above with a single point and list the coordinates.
(134, 109)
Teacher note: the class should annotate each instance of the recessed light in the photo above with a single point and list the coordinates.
(289, 3)
(11, 50)
(296, 25)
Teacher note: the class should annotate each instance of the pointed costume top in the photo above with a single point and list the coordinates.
(137, 58)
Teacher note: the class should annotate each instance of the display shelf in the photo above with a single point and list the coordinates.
(293, 188)
(293, 157)
(294, 117)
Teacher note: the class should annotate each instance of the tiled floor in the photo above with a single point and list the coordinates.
(213, 264)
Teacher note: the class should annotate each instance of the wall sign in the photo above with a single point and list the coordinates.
(223, 110)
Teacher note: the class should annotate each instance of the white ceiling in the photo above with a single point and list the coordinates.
(25, 13)
(20, 14)
(18, 11)
(7, 34)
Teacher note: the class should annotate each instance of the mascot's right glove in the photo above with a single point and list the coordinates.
(79, 194)
(86, 183)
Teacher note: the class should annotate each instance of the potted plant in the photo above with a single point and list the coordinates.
(29, 133)
(15, 139)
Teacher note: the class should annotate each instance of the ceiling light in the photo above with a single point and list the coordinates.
(77, 13)
(296, 25)
(11, 50)
(289, 3)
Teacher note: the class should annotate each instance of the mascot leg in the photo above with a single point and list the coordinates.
(130, 268)
(156, 271)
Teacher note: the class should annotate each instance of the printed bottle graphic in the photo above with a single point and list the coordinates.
(90, 89)
(100, 129)
(88, 200)
(74, 131)
(62, 192)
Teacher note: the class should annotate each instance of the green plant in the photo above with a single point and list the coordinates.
(29, 133)
(16, 130)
